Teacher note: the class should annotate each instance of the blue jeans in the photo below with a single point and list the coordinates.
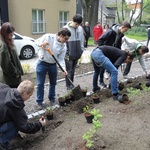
(100, 60)
(42, 69)
(7, 132)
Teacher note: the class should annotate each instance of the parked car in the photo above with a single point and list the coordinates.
(26, 47)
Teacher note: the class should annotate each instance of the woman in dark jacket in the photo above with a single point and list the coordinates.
(11, 69)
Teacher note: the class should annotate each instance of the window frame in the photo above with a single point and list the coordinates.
(38, 22)
(63, 22)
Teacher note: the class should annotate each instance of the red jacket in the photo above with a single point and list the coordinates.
(97, 32)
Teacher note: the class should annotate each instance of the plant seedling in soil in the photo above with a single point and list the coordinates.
(49, 111)
(88, 136)
(132, 91)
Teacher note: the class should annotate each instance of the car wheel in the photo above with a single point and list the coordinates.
(27, 52)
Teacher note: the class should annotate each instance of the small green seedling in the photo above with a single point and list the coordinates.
(95, 126)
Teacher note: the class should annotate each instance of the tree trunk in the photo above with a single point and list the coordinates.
(122, 10)
(90, 12)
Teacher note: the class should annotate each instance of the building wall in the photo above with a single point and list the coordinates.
(20, 14)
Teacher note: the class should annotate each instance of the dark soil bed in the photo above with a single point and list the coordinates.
(124, 127)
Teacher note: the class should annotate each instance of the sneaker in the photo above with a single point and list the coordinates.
(117, 97)
(125, 77)
(103, 85)
(52, 103)
(6, 146)
(40, 106)
(96, 89)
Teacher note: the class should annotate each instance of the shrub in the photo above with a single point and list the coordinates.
(26, 68)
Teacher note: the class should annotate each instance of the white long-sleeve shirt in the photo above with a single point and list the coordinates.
(132, 45)
(58, 49)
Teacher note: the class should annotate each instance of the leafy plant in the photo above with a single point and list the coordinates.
(86, 109)
(132, 91)
(88, 136)
(49, 111)
(145, 88)
(26, 68)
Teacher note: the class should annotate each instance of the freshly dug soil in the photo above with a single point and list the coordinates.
(124, 126)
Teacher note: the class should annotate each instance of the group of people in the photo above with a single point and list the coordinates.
(109, 48)
(98, 30)
(67, 47)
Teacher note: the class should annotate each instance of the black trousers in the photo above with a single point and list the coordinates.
(70, 67)
(127, 69)
(86, 41)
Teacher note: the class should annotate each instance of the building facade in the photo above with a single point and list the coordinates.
(35, 17)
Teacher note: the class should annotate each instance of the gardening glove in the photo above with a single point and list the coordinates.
(43, 121)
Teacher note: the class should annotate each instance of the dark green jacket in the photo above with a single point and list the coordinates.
(11, 69)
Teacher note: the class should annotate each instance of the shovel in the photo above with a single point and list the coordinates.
(77, 92)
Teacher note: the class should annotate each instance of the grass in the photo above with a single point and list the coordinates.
(138, 38)
(91, 41)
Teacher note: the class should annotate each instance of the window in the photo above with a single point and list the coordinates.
(38, 22)
(63, 18)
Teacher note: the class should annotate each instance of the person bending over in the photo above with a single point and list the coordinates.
(138, 50)
(112, 37)
(109, 58)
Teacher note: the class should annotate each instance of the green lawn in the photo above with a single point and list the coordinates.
(91, 41)
(138, 38)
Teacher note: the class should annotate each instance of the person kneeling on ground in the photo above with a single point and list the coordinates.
(13, 116)
(110, 58)
(138, 50)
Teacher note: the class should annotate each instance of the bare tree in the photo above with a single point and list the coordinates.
(143, 7)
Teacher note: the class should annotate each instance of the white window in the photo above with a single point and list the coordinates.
(63, 18)
(38, 21)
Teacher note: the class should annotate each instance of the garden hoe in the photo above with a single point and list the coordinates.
(76, 91)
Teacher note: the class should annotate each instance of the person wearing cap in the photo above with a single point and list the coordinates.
(75, 47)
(138, 50)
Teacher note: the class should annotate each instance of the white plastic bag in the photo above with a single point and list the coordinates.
(85, 58)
